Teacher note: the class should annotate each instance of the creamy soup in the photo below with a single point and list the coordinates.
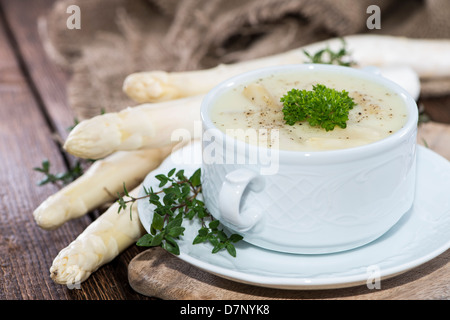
(255, 108)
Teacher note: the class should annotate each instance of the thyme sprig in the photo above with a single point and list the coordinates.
(61, 178)
(176, 200)
(340, 57)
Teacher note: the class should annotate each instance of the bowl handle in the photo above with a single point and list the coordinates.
(230, 197)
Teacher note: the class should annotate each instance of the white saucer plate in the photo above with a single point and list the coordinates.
(421, 235)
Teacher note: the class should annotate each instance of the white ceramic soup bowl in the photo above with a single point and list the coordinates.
(313, 202)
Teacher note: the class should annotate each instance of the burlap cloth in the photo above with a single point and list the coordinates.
(119, 37)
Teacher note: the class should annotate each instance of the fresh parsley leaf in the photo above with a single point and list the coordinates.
(322, 107)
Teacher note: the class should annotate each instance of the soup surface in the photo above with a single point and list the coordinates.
(252, 111)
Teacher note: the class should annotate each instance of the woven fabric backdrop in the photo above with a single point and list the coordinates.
(119, 37)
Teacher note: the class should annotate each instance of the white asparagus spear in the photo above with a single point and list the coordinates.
(427, 57)
(142, 88)
(97, 186)
(134, 128)
(102, 241)
(259, 95)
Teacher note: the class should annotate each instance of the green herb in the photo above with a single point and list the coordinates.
(322, 107)
(75, 123)
(423, 116)
(328, 56)
(61, 177)
(177, 200)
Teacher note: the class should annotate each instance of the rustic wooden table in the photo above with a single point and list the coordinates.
(33, 110)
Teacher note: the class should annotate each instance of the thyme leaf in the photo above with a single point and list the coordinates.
(177, 200)
(60, 178)
(340, 57)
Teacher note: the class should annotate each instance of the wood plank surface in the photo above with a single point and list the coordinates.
(26, 251)
(157, 273)
(436, 136)
(48, 81)
(33, 108)
(437, 109)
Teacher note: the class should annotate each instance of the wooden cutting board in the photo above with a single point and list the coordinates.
(156, 273)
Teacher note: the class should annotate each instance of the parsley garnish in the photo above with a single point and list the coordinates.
(322, 107)
(177, 200)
